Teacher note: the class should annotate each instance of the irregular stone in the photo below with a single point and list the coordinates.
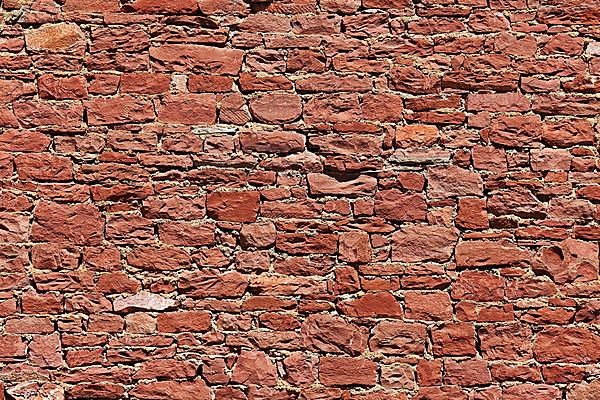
(31, 113)
(584, 391)
(233, 206)
(301, 243)
(516, 201)
(478, 286)
(453, 181)
(46, 351)
(272, 142)
(119, 110)
(260, 235)
(56, 38)
(207, 284)
(196, 58)
(394, 205)
(342, 371)
(276, 108)
(566, 345)
(528, 390)
(14, 228)
(188, 109)
(143, 301)
(506, 342)
(174, 390)
(325, 185)
(165, 258)
(380, 304)
(301, 369)
(521, 131)
(428, 307)
(416, 135)
(164, 7)
(332, 334)
(184, 321)
(398, 338)
(80, 224)
(569, 261)
(472, 213)
(173, 369)
(44, 166)
(355, 247)
(484, 253)
(454, 339)
(254, 367)
(418, 243)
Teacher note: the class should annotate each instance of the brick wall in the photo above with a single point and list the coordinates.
(299, 199)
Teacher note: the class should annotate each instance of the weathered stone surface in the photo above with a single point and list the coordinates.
(341, 371)
(165, 258)
(233, 206)
(566, 345)
(119, 110)
(299, 199)
(584, 391)
(175, 390)
(419, 243)
(80, 224)
(398, 338)
(355, 247)
(188, 57)
(254, 367)
(143, 301)
(569, 261)
(325, 185)
(453, 181)
(183, 321)
(381, 304)
(271, 142)
(259, 234)
(473, 254)
(276, 108)
(332, 334)
(56, 38)
(394, 205)
(206, 284)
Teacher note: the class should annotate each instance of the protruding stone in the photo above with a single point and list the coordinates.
(56, 38)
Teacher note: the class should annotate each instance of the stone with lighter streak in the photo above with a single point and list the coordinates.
(143, 301)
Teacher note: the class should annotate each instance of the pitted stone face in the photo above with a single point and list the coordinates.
(56, 38)
(299, 199)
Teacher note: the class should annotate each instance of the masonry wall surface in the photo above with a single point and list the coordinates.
(299, 199)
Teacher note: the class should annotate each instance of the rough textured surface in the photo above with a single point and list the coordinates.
(299, 199)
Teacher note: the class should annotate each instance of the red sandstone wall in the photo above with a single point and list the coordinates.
(299, 199)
